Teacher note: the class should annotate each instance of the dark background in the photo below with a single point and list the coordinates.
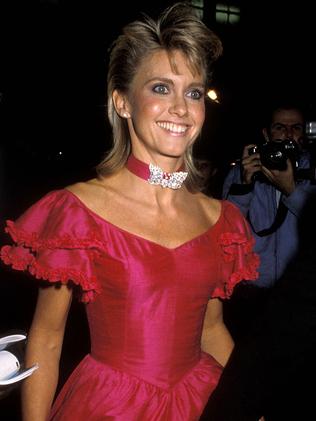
(53, 126)
(54, 58)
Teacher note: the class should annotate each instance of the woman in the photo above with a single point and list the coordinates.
(151, 255)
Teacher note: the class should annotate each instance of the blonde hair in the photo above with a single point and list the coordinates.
(177, 28)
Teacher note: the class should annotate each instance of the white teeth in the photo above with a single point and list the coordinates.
(172, 127)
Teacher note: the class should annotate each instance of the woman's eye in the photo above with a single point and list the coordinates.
(160, 89)
(195, 94)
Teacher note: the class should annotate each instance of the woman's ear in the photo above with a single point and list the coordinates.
(121, 104)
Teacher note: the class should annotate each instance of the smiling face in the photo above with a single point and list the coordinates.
(165, 106)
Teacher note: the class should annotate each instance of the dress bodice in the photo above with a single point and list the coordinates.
(145, 302)
(148, 317)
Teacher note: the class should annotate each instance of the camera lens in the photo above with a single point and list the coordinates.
(273, 156)
(253, 150)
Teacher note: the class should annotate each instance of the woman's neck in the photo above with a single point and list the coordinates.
(156, 175)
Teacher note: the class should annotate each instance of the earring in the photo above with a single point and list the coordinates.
(125, 114)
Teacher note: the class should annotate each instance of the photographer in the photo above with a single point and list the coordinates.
(270, 371)
(265, 186)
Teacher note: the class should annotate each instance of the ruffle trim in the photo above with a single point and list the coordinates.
(238, 249)
(247, 273)
(35, 243)
(24, 260)
(231, 242)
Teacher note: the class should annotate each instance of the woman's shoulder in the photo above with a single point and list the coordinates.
(211, 208)
(58, 220)
(52, 240)
(219, 206)
(93, 194)
(59, 211)
(231, 211)
(52, 202)
(222, 210)
(88, 190)
(209, 203)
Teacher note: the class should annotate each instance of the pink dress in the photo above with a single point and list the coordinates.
(145, 305)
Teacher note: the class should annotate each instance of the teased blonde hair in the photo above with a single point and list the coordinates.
(177, 28)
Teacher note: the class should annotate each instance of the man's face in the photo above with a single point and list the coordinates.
(287, 124)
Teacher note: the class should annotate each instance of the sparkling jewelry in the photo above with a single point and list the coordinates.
(155, 175)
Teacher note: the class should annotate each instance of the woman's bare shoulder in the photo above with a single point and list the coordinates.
(83, 187)
(95, 193)
(88, 191)
(211, 207)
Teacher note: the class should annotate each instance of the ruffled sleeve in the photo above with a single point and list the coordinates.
(238, 262)
(57, 241)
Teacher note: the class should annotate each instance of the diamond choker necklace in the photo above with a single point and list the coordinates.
(155, 175)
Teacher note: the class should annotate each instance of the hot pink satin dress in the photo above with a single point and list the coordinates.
(145, 305)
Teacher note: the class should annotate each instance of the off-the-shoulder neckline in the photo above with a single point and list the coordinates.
(187, 243)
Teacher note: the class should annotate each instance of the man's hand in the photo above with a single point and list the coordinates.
(282, 180)
(250, 164)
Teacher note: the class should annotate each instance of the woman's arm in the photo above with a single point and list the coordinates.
(216, 339)
(44, 347)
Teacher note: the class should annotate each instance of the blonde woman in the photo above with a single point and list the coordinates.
(150, 256)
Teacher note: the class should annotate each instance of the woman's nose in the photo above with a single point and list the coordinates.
(179, 106)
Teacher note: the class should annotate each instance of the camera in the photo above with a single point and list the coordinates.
(274, 154)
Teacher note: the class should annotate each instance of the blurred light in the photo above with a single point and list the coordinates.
(233, 19)
(213, 95)
(227, 14)
(310, 129)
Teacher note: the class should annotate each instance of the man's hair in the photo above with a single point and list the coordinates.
(283, 104)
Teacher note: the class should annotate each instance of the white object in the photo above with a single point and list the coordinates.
(10, 339)
(311, 130)
(9, 365)
(20, 375)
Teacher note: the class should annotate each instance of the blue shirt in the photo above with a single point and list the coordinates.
(259, 205)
